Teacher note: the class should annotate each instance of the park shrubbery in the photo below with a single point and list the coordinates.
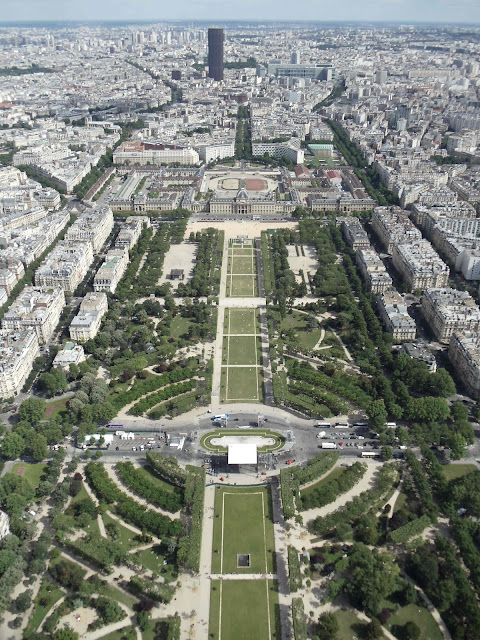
(165, 394)
(294, 569)
(147, 588)
(331, 489)
(422, 486)
(205, 280)
(299, 619)
(147, 519)
(287, 486)
(139, 483)
(357, 507)
(411, 529)
(189, 546)
(152, 383)
(101, 552)
(167, 468)
(106, 490)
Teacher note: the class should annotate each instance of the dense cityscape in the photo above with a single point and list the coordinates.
(240, 331)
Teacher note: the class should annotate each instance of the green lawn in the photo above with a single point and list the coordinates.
(422, 618)
(242, 265)
(243, 525)
(241, 286)
(126, 539)
(241, 350)
(51, 594)
(153, 557)
(241, 383)
(400, 501)
(53, 409)
(205, 440)
(118, 635)
(150, 474)
(179, 326)
(32, 472)
(238, 321)
(115, 594)
(453, 471)
(333, 475)
(305, 337)
(350, 627)
(243, 610)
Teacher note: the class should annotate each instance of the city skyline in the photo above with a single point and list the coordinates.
(403, 11)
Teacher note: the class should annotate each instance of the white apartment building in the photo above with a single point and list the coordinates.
(4, 525)
(419, 265)
(392, 225)
(448, 310)
(38, 309)
(373, 270)
(11, 271)
(136, 152)
(111, 271)
(93, 226)
(65, 266)
(18, 350)
(70, 354)
(354, 234)
(216, 151)
(130, 231)
(86, 323)
(395, 317)
(468, 263)
(290, 150)
(464, 354)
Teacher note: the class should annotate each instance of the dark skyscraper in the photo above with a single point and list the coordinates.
(215, 54)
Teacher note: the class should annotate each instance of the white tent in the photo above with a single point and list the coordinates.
(242, 454)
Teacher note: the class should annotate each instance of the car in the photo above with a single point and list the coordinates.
(289, 461)
(117, 448)
(235, 419)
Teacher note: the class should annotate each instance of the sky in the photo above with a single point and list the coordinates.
(456, 11)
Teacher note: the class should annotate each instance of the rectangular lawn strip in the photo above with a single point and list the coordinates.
(32, 472)
(242, 350)
(115, 594)
(243, 265)
(453, 471)
(149, 473)
(241, 321)
(241, 610)
(244, 383)
(243, 286)
(421, 617)
(119, 634)
(244, 520)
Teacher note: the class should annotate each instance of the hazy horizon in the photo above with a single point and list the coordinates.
(458, 12)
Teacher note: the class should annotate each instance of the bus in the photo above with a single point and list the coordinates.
(115, 425)
(370, 454)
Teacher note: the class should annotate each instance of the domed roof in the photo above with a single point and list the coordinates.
(242, 194)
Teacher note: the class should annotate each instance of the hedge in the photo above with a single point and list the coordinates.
(139, 483)
(130, 510)
(411, 529)
(147, 588)
(153, 383)
(93, 547)
(143, 518)
(164, 394)
(386, 479)
(422, 485)
(331, 489)
(189, 547)
(299, 619)
(167, 468)
(294, 569)
(286, 490)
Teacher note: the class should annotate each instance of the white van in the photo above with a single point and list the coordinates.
(322, 425)
(391, 425)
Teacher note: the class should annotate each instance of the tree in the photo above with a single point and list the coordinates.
(13, 446)
(411, 631)
(387, 453)
(66, 634)
(143, 619)
(327, 627)
(377, 414)
(32, 410)
(38, 446)
(67, 574)
(23, 601)
(373, 630)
